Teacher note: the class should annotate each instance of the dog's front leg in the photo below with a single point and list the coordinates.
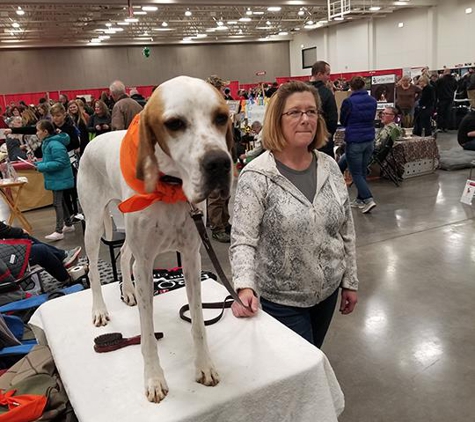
(128, 289)
(205, 372)
(156, 387)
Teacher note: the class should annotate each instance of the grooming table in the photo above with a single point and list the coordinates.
(267, 372)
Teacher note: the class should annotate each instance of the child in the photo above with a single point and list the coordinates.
(57, 172)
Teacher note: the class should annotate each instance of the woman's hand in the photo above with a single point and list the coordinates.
(105, 127)
(7, 132)
(349, 298)
(98, 127)
(248, 298)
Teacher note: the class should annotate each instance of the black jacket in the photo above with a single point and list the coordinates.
(9, 232)
(446, 87)
(139, 98)
(73, 132)
(427, 98)
(466, 125)
(329, 109)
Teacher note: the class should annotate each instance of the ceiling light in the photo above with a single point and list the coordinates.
(297, 29)
(301, 13)
(219, 23)
(150, 8)
(268, 23)
(283, 33)
(245, 20)
(400, 24)
(11, 40)
(222, 28)
(104, 37)
(468, 10)
(164, 24)
(15, 25)
(211, 30)
(163, 29)
(188, 13)
(140, 12)
(123, 23)
(232, 22)
(248, 11)
(109, 31)
(310, 26)
(257, 13)
(240, 31)
(310, 22)
(96, 40)
(263, 39)
(145, 34)
(131, 20)
(142, 38)
(117, 29)
(400, 3)
(20, 11)
(374, 8)
(108, 24)
(322, 22)
(187, 39)
(200, 36)
(302, 46)
(264, 27)
(274, 9)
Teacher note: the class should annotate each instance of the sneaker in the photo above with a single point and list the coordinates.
(68, 229)
(55, 236)
(222, 237)
(71, 257)
(78, 217)
(357, 203)
(368, 206)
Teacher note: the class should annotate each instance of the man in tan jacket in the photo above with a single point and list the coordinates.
(125, 108)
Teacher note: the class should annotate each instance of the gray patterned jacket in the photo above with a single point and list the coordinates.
(290, 251)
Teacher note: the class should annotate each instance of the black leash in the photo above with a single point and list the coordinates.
(197, 217)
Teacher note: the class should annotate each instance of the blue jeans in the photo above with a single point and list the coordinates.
(358, 157)
(50, 258)
(310, 323)
(470, 145)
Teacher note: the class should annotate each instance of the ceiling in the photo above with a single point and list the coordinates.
(61, 23)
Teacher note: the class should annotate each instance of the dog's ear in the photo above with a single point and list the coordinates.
(230, 137)
(147, 165)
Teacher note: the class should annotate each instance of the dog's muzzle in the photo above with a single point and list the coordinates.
(216, 166)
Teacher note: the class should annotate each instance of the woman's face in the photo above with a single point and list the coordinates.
(73, 108)
(98, 109)
(15, 112)
(299, 128)
(422, 83)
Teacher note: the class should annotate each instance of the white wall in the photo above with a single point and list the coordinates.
(438, 36)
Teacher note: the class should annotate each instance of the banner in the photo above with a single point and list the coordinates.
(383, 90)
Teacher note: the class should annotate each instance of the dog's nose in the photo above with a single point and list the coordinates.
(216, 163)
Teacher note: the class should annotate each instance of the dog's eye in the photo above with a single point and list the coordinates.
(221, 119)
(175, 124)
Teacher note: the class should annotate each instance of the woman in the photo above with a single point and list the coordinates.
(80, 119)
(57, 173)
(43, 111)
(425, 109)
(357, 115)
(100, 121)
(293, 240)
(406, 96)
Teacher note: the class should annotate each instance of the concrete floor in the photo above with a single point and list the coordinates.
(407, 353)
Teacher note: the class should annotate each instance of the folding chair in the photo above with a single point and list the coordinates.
(383, 156)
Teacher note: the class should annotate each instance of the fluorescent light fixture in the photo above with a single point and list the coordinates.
(222, 28)
(322, 22)
(140, 12)
(468, 10)
(211, 30)
(96, 40)
(11, 41)
(187, 39)
(283, 33)
(400, 3)
(150, 8)
(164, 24)
(219, 23)
(400, 24)
(310, 22)
(142, 38)
(297, 29)
(200, 36)
(131, 20)
(310, 26)
(301, 13)
(248, 12)
(163, 29)
(264, 27)
(245, 20)
(374, 8)
(145, 34)
(188, 13)
(109, 31)
(274, 9)
(15, 25)
(20, 11)
(232, 22)
(123, 23)
(257, 13)
(268, 23)
(117, 29)
(103, 37)
(108, 24)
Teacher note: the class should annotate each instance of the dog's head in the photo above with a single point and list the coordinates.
(185, 131)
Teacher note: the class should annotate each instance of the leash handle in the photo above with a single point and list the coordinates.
(226, 303)
(197, 217)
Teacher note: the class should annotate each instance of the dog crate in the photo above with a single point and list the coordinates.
(420, 167)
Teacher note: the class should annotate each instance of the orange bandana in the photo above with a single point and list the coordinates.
(128, 161)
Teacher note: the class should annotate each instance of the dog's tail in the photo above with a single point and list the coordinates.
(107, 224)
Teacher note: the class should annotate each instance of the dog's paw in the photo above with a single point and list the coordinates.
(156, 389)
(129, 298)
(100, 317)
(207, 376)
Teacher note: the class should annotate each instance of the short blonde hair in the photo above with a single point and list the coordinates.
(273, 137)
(57, 108)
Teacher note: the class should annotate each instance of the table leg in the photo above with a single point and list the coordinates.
(12, 202)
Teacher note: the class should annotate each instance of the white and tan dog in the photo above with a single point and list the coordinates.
(185, 132)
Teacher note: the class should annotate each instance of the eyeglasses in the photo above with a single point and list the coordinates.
(298, 114)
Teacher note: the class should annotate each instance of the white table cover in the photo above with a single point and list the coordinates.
(267, 372)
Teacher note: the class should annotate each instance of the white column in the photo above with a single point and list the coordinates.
(372, 60)
(432, 37)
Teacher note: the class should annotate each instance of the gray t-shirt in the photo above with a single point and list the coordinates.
(304, 180)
